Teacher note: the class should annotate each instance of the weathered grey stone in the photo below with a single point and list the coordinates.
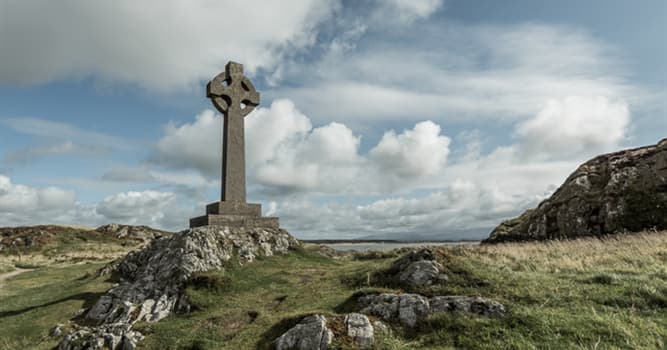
(234, 221)
(153, 279)
(418, 268)
(412, 308)
(465, 304)
(310, 334)
(421, 273)
(116, 336)
(611, 193)
(359, 328)
(56, 331)
(415, 255)
(409, 309)
(235, 97)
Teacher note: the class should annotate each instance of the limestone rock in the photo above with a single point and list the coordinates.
(359, 328)
(310, 334)
(418, 268)
(143, 234)
(116, 336)
(611, 193)
(153, 279)
(409, 309)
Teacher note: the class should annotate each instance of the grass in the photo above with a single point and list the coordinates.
(582, 294)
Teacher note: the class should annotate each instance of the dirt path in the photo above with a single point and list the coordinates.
(8, 275)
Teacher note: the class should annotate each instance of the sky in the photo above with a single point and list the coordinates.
(376, 117)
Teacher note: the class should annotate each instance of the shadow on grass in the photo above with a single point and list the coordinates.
(266, 339)
(88, 298)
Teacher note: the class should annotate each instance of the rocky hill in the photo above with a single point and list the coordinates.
(30, 238)
(624, 191)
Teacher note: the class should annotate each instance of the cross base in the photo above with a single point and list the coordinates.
(234, 214)
(234, 221)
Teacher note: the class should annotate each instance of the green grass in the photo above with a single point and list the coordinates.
(584, 294)
(35, 301)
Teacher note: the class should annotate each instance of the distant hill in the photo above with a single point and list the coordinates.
(37, 237)
(449, 235)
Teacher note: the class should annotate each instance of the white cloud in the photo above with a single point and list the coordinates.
(27, 205)
(20, 204)
(164, 45)
(285, 153)
(146, 207)
(574, 125)
(414, 153)
(407, 11)
(453, 72)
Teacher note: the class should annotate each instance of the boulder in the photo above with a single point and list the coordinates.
(465, 304)
(153, 279)
(418, 268)
(358, 327)
(409, 309)
(624, 191)
(118, 336)
(311, 333)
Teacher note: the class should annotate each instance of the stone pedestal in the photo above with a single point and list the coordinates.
(234, 214)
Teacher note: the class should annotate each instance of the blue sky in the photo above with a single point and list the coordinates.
(421, 116)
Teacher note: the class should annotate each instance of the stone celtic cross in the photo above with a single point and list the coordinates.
(235, 97)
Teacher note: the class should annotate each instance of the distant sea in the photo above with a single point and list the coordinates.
(392, 245)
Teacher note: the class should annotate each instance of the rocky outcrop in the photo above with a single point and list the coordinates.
(618, 192)
(153, 279)
(118, 336)
(360, 330)
(311, 333)
(142, 234)
(409, 309)
(418, 268)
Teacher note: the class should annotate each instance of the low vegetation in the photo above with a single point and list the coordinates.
(581, 294)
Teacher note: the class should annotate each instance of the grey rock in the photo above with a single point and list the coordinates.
(310, 334)
(421, 273)
(56, 331)
(409, 309)
(412, 308)
(380, 327)
(624, 191)
(418, 268)
(153, 279)
(359, 328)
(111, 336)
(142, 234)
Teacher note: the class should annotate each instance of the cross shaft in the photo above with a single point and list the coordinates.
(235, 97)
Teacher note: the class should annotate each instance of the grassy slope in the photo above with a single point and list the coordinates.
(582, 294)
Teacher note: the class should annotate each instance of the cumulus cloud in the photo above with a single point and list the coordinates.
(28, 205)
(20, 204)
(575, 125)
(191, 146)
(414, 153)
(285, 153)
(137, 207)
(165, 45)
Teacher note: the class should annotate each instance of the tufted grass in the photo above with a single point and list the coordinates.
(582, 294)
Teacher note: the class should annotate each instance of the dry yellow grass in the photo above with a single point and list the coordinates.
(624, 252)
